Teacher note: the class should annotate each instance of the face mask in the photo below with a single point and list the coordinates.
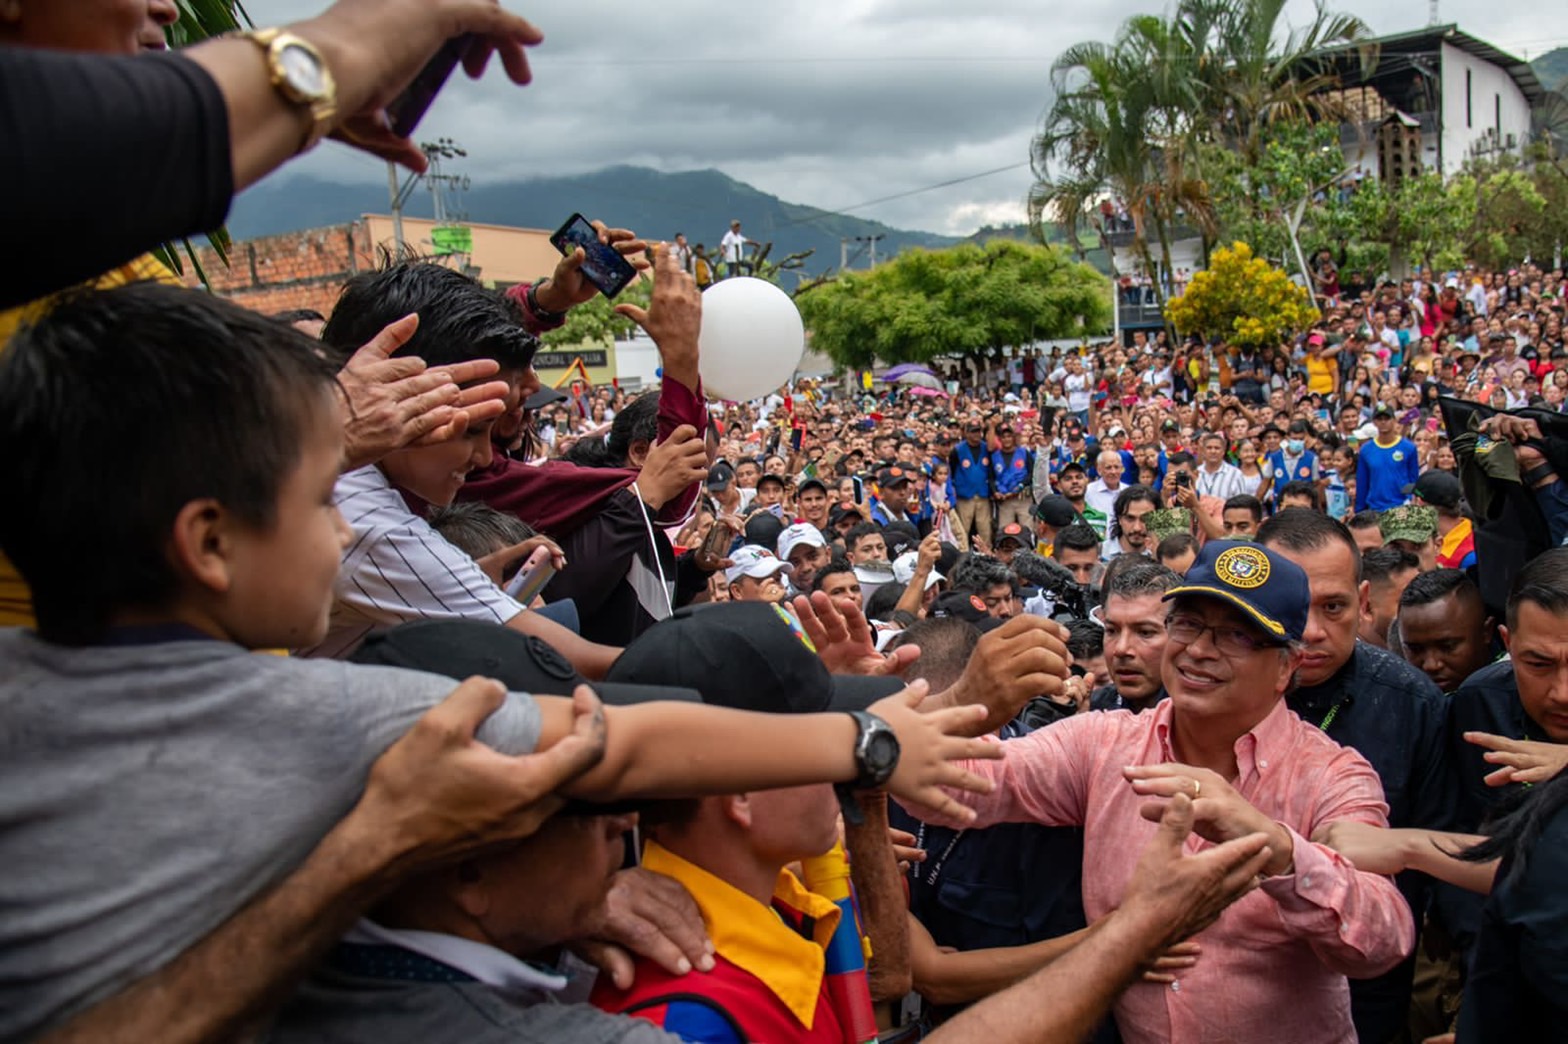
(1294, 447)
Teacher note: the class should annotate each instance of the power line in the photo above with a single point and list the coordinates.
(838, 211)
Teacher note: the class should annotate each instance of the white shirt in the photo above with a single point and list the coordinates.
(734, 246)
(1223, 484)
(398, 569)
(1101, 497)
(1079, 388)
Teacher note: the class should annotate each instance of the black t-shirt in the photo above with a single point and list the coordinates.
(109, 157)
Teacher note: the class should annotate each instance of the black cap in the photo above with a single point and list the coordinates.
(777, 480)
(1383, 410)
(896, 475)
(544, 397)
(763, 528)
(1170, 425)
(1071, 465)
(1438, 488)
(900, 537)
(811, 483)
(1014, 532)
(720, 476)
(960, 605)
(1056, 510)
(463, 648)
(747, 655)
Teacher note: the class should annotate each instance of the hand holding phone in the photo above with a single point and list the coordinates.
(603, 265)
(532, 577)
(407, 109)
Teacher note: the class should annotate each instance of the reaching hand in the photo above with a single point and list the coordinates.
(931, 748)
(652, 916)
(438, 792)
(673, 317)
(844, 639)
(1522, 761)
(1219, 812)
(568, 287)
(1024, 658)
(1372, 849)
(496, 563)
(1184, 894)
(393, 403)
(1176, 958)
(672, 466)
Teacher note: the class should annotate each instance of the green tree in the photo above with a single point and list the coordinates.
(964, 300)
(597, 322)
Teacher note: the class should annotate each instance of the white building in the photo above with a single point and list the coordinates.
(1435, 99)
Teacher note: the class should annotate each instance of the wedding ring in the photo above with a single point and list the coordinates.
(1197, 788)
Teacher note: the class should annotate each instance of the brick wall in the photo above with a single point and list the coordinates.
(294, 270)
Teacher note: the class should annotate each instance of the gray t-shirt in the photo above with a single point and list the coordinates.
(148, 792)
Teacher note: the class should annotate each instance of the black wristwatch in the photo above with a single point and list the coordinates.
(544, 315)
(876, 751)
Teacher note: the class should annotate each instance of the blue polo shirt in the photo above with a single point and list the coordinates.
(1011, 472)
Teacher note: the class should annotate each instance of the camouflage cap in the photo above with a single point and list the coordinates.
(1162, 522)
(1415, 523)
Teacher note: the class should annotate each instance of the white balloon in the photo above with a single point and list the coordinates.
(752, 338)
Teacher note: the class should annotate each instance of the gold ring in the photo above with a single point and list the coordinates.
(1197, 788)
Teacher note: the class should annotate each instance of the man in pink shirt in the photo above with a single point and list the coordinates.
(1274, 965)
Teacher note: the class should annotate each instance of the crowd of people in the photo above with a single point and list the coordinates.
(1143, 692)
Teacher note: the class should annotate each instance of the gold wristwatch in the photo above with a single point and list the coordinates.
(300, 74)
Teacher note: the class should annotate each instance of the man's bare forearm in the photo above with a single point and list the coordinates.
(234, 976)
(1062, 1002)
(875, 874)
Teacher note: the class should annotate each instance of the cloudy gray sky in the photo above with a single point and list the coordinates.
(826, 102)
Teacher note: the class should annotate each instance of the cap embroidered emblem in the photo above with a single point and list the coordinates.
(1243, 567)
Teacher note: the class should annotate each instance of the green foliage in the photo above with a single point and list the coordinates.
(1242, 299)
(963, 300)
(596, 321)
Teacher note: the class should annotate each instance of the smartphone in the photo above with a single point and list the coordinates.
(603, 266)
(530, 579)
(794, 439)
(407, 109)
(860, 491)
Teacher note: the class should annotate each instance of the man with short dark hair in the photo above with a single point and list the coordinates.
(1078, 550)
(1365, 530)
(1370, 700)
(989, 580)
(837, 580)
(1444, 628)
(1129, 535)
(1012, 474)
(1133, 613)
(1073, 483)
(1241, 517)
(865, 543)
(969, 469)
(1387, 571)
(892, 500)
(1386, 465)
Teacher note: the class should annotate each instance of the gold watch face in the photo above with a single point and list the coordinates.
(303, 71)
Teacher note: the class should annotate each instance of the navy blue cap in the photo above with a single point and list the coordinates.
(1265, 585)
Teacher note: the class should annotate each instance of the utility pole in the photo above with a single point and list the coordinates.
(873, 243)
(843, 253)
(435, 151)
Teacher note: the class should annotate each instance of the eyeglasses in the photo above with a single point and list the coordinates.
(1232, 641)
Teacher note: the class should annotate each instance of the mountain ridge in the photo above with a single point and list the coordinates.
(700, 203)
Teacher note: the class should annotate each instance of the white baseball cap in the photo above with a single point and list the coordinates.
(756, 562)
(904, 570)
(797, 534)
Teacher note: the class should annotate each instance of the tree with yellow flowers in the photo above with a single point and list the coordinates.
(1242, 299)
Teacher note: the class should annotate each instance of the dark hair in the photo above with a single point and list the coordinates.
(1140, 578)
(946, 644)
(1302, 529)
(1542, 582)
(637, 422)
(1431, 587)
(1174, 545)
(1516, 824)
(1128, 497)
(1085, 639)
(1075, 536)
(459, 320)
(1179, 457)
(883, 601)
(298, 315)
(120, 407)
(478, 529)
(1381, 563)
(835, 565)
(1302, 488)
(859, 530)
(1245, 502)
(977, 574)
(1368, 519)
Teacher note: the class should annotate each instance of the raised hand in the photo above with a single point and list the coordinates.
(1024, 658)
(438, 792)
(496, 563)
(672, 466)
(393, 403)
(652, 916)
(1521, 761)
(930, 749)
(1219, 812)
(673, 317)
(567, 287)
(844, 639)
